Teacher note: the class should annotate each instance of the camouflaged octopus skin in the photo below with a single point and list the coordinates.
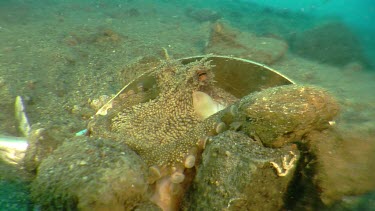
(154, 129)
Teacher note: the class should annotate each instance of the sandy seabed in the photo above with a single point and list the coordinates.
(60, 55)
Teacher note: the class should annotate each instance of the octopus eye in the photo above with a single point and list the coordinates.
(202, 75)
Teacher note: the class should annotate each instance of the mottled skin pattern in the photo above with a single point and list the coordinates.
(153, 129)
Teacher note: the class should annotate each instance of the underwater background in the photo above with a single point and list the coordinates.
(61, 55)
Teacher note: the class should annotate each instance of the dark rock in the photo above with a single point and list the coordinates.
(202, 15)
(42, 141)
(236, 174)
(332, 43)
(344, 165)
(287, 114)
(133, 12)
(91, 174)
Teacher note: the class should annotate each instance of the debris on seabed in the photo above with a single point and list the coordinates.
(23, 122)
(12, 149)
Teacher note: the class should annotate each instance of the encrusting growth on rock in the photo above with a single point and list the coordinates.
(286, 165)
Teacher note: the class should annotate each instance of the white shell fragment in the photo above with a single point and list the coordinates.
(23, 122)
(12, 149)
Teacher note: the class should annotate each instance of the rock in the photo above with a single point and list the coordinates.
(332, 43)
(276, 116)
(91, 174)
(147, 206)
(286, 114)
(236, 174)
(202, 15)
(229, 41)
(42, 141)
(362, 202)
(344, 164)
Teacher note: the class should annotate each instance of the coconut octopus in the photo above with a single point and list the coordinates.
(168, 122)
(159, 130)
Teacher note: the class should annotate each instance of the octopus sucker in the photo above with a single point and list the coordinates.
(189, 161)
(162, 196)
(220, 127)
(169, 192)
(177, 177)
(236, 126)
(154, 174)
(233, 110)
(202, 141)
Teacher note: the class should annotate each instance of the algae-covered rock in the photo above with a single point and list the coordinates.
(90, 174)
(275, 116)
(236, 174)
(286, 114)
